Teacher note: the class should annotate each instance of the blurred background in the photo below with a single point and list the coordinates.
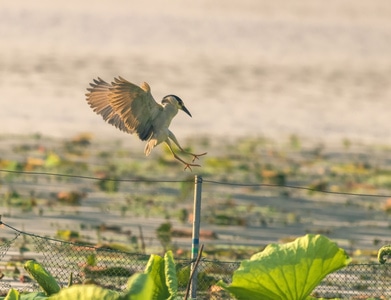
(252, 67)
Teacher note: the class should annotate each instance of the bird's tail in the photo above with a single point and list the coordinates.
(149, 146)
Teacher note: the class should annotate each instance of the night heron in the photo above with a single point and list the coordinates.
(132, 109)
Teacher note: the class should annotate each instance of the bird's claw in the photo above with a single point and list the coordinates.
(197, 156)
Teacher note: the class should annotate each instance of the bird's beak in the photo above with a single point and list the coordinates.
(186, 111)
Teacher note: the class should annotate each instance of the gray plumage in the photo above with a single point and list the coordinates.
(133, 109)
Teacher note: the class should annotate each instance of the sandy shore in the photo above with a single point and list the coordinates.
(258, 68)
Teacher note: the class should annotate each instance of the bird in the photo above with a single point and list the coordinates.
(132, 109)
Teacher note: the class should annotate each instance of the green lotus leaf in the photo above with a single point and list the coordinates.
(383, 251)
(170, 274)
(12, 295)
(162, 271)
(34, 296)
(287, 271)
(155, 269)
(45, 280)
(140, 287)
(85, 292)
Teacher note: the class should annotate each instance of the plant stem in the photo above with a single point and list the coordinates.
(193, 271)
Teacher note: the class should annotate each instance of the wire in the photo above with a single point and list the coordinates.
(93, 178)
(294, 187)
(203, 180)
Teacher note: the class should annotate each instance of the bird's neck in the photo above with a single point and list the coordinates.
(170, 110)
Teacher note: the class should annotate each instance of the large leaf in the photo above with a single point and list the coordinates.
(140, 287)
(162, 271)
(12, 295)
(34, 296)
(45, 280)
(85, 292)
(288, 271)
(155, 269)
(170, 274)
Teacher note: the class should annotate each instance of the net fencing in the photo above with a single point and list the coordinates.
(75, 263)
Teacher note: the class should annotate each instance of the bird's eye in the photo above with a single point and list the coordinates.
(180, 102)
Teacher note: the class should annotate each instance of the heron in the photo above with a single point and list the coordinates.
(132, 109)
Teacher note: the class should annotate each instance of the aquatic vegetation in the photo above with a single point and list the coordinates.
(67, 235)
(159, 281)
(109, 184)
(52, 160)
(164, 235)
(382, 253)
(43, 277)
(287, 271)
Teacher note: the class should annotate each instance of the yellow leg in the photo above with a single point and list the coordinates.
(173, 138)
(187, 165)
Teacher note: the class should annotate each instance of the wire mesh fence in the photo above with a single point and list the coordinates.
(74, 263)
(357, 281)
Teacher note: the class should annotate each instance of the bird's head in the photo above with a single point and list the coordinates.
(175, 100)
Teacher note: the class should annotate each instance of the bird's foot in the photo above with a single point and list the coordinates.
(197, 156)
(188, 166)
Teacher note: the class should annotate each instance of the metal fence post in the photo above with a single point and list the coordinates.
(196, 233)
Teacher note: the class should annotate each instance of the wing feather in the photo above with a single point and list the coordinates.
(125, 105)
(99, 101)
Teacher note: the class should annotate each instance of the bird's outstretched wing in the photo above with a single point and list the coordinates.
(125, 105)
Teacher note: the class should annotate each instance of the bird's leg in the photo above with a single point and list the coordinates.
(187, 165)
(195, 156)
